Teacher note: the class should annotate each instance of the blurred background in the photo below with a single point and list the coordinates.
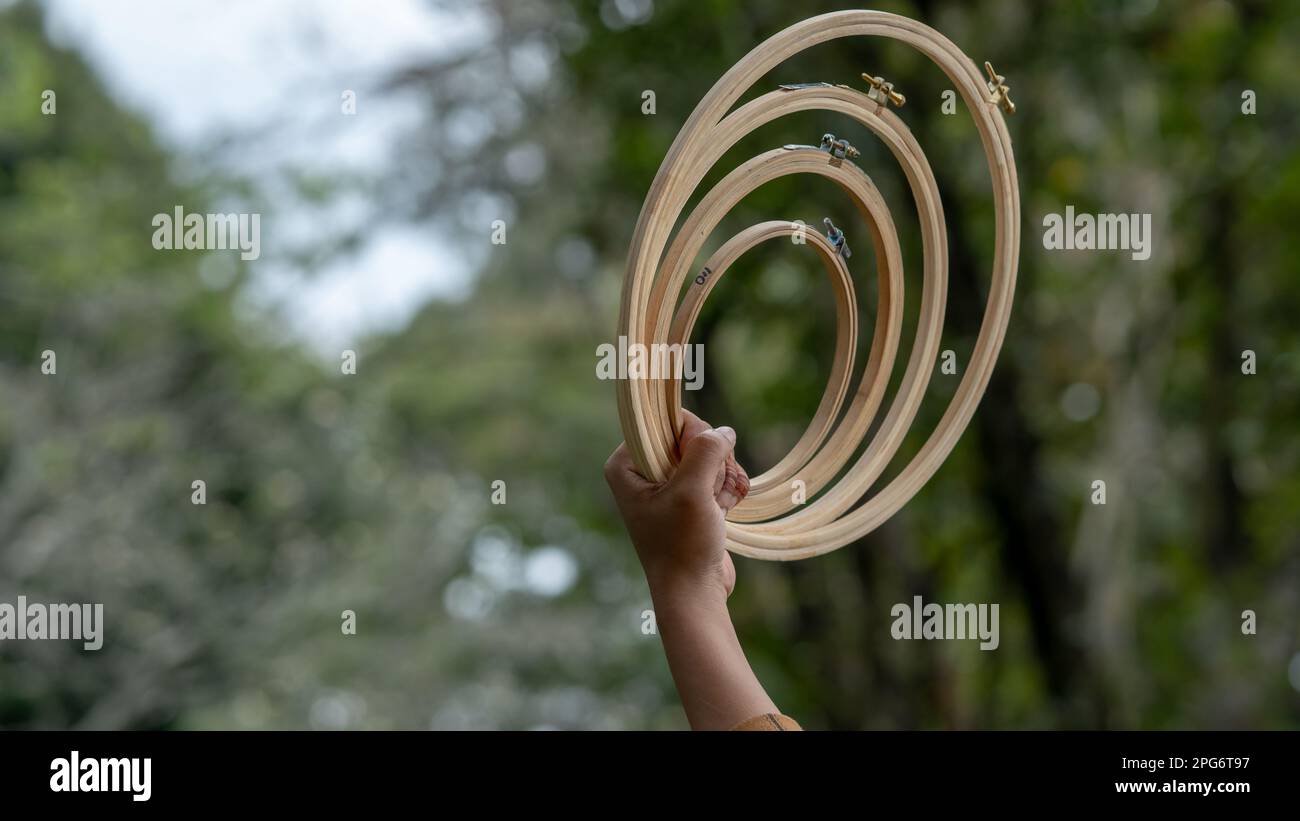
(371, 491)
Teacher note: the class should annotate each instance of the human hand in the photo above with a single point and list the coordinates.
(678, 527)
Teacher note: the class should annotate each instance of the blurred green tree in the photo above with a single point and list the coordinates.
(372, 492)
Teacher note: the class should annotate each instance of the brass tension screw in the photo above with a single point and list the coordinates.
(1001, 92)
(883, 92)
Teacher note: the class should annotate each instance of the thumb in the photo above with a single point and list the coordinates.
(703, 458)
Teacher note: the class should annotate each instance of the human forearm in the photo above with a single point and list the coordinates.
(717, 687)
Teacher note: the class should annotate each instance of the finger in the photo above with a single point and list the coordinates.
(742, 479)
(702, 457)
(692, 426)
(734, 487)
(621, 472)
(742, 482)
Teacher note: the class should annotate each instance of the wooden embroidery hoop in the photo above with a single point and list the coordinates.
(763, 526)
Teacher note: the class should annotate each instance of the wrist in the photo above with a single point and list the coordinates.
(691, 594)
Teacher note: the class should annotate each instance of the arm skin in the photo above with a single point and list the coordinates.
(717, 687)
(678, 529)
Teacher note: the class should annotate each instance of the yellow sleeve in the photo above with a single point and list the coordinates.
(768, 721)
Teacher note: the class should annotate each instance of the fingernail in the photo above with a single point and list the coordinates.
(728, 433)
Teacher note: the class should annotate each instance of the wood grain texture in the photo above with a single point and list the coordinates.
(766, 525)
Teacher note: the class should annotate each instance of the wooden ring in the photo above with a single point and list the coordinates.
(837, 386)
(649, 409)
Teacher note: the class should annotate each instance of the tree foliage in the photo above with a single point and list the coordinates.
(372, 492)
